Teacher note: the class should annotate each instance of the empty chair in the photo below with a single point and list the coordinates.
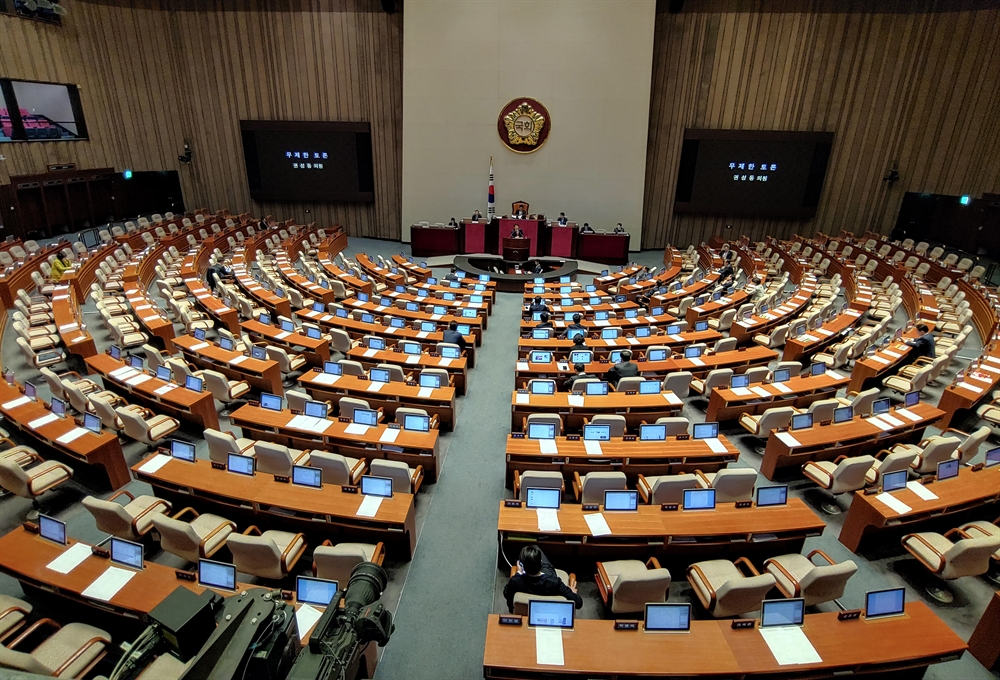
(822, 410)
(224, 389)
(730, 484)
(277, 459)
(724, 345)
(626, 586)
(145, 426)
(404, 478)
(221, 444)
(949, 559)
(72, 651)
(835, 356)
(678, 382)
(724, 590)
(887, 461)
(536, 479)
(269, 554)
(544, 419)
(195, 540)
(861, 402)
(929, 452)
(287, 362)
(838, 476)
(131, 521)
(13, 615)
(337, 562)
(969, 447)
(46, 357)
(761, 426)
(715, 378)
(32, 482)
(348, 405)
(591, 487)
(903, 384)
(352, 367)
(337, 469)
(674, 425)
(665, 488)
(798, 576)
(724, 322)
(616, 422)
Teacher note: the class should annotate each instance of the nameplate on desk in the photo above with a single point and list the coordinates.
(667, 507)
(511, 620)
(744, 504)
(517, 435)
(255, 404)
(977, 467)
(683, 437)
(591, 507)
(347, 488)
(342, 419)
(629, 438)
(871, 491)
(744, 624)
(100, 552)
(218, 466)
(849, 615)
(506, 504)
(630, 392)
(185, 575)
(30, 527)
(572, 437)
(284, 479)
(626, 625)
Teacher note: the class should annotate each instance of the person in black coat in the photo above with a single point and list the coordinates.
(537, 306)
(536, 576)
(516, 232)
(575, 326)
(562, 219)
(453, 336)
(922, 345)
(623, 369)
(581, 373)
(545, 322)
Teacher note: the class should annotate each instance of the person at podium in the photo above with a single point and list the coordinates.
(453, 224)
(562, 219)
(476, 216)
(585, 229)
(516, 232)
(619, 229)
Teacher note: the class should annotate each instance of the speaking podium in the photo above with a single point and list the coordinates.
(516, 249)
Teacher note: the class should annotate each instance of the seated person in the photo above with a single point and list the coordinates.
(59, 265)
(453, 223)
(579, 341)
(575, 326)
(453, 336)
(562, 219)
(538, 268)
(727, 253)
(923, 344)
(623, 369)
(545, 322)
(520, 214)
(726, 275)
(536, 576)
(516, 232)
(580, 374)
(537, 305)
(619, 229)
(753, 289)
(585, 229)
(476, 216)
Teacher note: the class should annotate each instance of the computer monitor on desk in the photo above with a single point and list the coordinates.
(911, 399)
(652, 433)
(772, 495)
(782, 612)
(258, 353)
(650, 387)
(844, 414)
(92, 422)
(271, 402)
(947, 469)
(596, 389)
(551, 614)
(541, 431)
(318, 592)
(883, 603)
(219, 575)
(880, 406)
(127, 553)
(303, 475)
(621, 500)
(414, 422)
(376, 486)
(542, 499)
(316, 409)
(243, 465)
(52, 529)
(893, 481)
(699, 499)
(182, 450)
(706, 431)
(580, 356)
(781, 375)
(664, 617)
(539, 357)
(366, 416)
(738, 381)
(597, 433)
(802, 421)
(656, 355)
(993, 457)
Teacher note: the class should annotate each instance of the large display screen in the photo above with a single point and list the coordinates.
(752, 172)
(308, 161)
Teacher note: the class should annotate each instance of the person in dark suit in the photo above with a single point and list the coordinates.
(536, 576)
(562, 219)
(619, 229)
(726, 275)
(546, 321)
(453, 336)
(581, 372)
(623, 369)
(453, 223)
(520, 214)
(516, 232)
(537, 306)
(585, 229)
(923, 344)
(476, 216)
(579, 342)
(727, 253)
(575, 326)
(538, 268)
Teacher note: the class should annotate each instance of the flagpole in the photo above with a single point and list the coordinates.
(490, 205)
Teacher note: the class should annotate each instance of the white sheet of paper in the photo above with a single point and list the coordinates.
(823, 331)
(369, 506)
(894, 355)
(325, 378)
(166, 388)
(879, 423)
(44, 420)
(716, 445)
(970, 386)
(122, 372)
(425, 392)
(788, 439)
(592, 447)
(198, 346)
(356, 428)
(370, 352)
(70, 558)
(761, 391)
(575, 400)
(282, 335)
(879, 359)
(422, 334)
(139, 379)
(444, 362)
(238, 360)
(893, 503)
(781, 387)
(909, 415)
(789, 645)
(548, 520)
(72, 435)
(390, 435)
(154, 463)
(548, 446)
(109, 583)
(20, 401)
(834, 375)
(672, 398)
(895, 422)
(741, 391)
(922, 491)
(549, 647)
(522, 398)
(412, 359)
(610, 342)
(676, 338)
(305, 618)
(697, 362)
(597, 524)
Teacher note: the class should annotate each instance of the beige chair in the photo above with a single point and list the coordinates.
(715, 378)
(678, 382)
(797, 576)
(775, 339)
(916, 383)
(337, 469)
(46, 357)
(665, 488)
(221, 444)
(984, 528)
(224, 389)
(821, 410)
(724, 590)
(271, 554)
(143, 425)
(929, 452)
(32, 482)
(730, 484)
(277, 459)
(674, 425)
(627, 585)
(969, 448)
(968, 556)
(131, 521)
(591, 487)
(761, 426)
(287, 362)
(194, 540)
(337, 562)
(13, 615)
(860, 402)
(887, 461)
(72, 651)
(545, 419)
(536, 479)
(838, 476)
(404, 478)
(348, 405)
(616, 423)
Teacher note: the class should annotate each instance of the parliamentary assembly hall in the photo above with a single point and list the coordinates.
(501, 339)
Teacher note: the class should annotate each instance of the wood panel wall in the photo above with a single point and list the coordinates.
(155, 74)
(916, 82)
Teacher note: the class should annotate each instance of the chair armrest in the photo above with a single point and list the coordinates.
(712, 596)
(645, 491)
(971, 527)
(358, 469)
(956, 531)
(930, 547)
(702, 477)
(417, 479)
(185, 511)
(821, 554)
(54, 484)
(603, 583)
(31, 629)
(123, 492)
(577, 485)
(213, 532)
(954, 431)
(146, 511)
(796, 586)
(517, 483)
(746, 563)
(653, 563)
(435, 422)
(80, 652)
(253, 528)
(289, 565)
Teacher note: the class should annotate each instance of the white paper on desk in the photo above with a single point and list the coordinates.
(425, 392)
(198, 346)
(282, 335)
(44, 420)
(781, 387)
(375, 387)
(109, 583)
(72, 435)
(610, 342)
(575, 400)
(672, 398)
(549, 647)
(548, 520)
(909, 415)
(139, 379)
(522, 398)
(592, 447)
(122, 372)
(879, 423)
(716, 445)
(68, 327)
(422, 334)
(895, 422)
(166, 388)
(741, 391)
(444, 362)
(370, 352)
(970, 386)
(789, 645)
(305, 618)
(760, 391)
(879, 359)
(922, 491)
(697, 362)
(70, 558)
(894, 355)
(369, 506)
(390, 435)
(325, 378)
(834, 375)
(632, 341)
(788, 439)
(413, 359)
(824, 331)
(356, 428)
(20, 401)
(991, 369)
(154, 463)
(894, 503)
(676, 338)
(548, 446)
(597, 524)
(602, 322)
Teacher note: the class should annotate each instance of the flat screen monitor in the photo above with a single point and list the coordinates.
(596, 389)
(664, 617)
(656, 355)
(541, 333)
(366, 416)
(468, 314)
(219, 575)
(271, 402)
(307, 476)
(376, 343)
(947, 469)
(428, 327)
(580, 356)
(536, 316)
(362, 297)
(782, 375)
(412, 306)
(782, 612)
(316, 409)
(485, 278)
(333, 368)
(564, 279)
(116, 352)
(590, 288)
(649, 387)
(701, 326)
(266, 318)
(451, 352)
(551, 614)
(315, 591)
(411, 348)
(817, 369)
(376, 486)
(380, 375)
(699, 499)
(199, 333)
(692, 352)
(58, 407)
(772, 495)
(652, 433)
(126, 553)
(539, 357)
(367, 318)
(740, 381)
(643, 332)
(340, 313)
(287, 326)
(893, 481)
(706, 431)
(880, 406)
(542, 499)
(226, 344)
(594, 300)
(657, 311)
(843, 414)
(673, 330)
(193, 383)
(543, 387)
(92, 423)
(541, 431)
(429, 380)
(163, 373)
(243, 465)
(621, 500)
(440, 309)
(597, 433)
(911, 399)
(993, 457)
(609, 333)
(416, 422)
(135, 362)
(52, 529)
(801, 421)
(888, 602)
(600, 316)
(181, 449)
(448, 296)
(615, 356)
(313, 333)
(258, 353)
(538, 279)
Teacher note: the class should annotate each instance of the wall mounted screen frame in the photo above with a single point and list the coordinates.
(39, 111)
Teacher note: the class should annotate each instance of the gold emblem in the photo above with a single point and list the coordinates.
(524, 125)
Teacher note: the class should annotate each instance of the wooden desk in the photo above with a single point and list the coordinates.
(715, 308)
(853, 438)
(414, 270)
(391, 396)
(12, 281)
(192, 407)
(412, 448)
(678, 537)
(959, 398)
(603, 248)
(631, 457)
(744, 331)
(985, 641)
(694, 289)
(713, 649)
(457, 368)
(878, 366)
(320, 514)
(226, 316)
(149, 315)
(725, 404)
(575, 408)
(350, 281)
(304, 285)
(525, 345)
(971, 494)
(260, 296)
(434, 241)
(262, 375)
(816, 340)
(102, 449)
(476, 324)
(315, 350)
(66, 316)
